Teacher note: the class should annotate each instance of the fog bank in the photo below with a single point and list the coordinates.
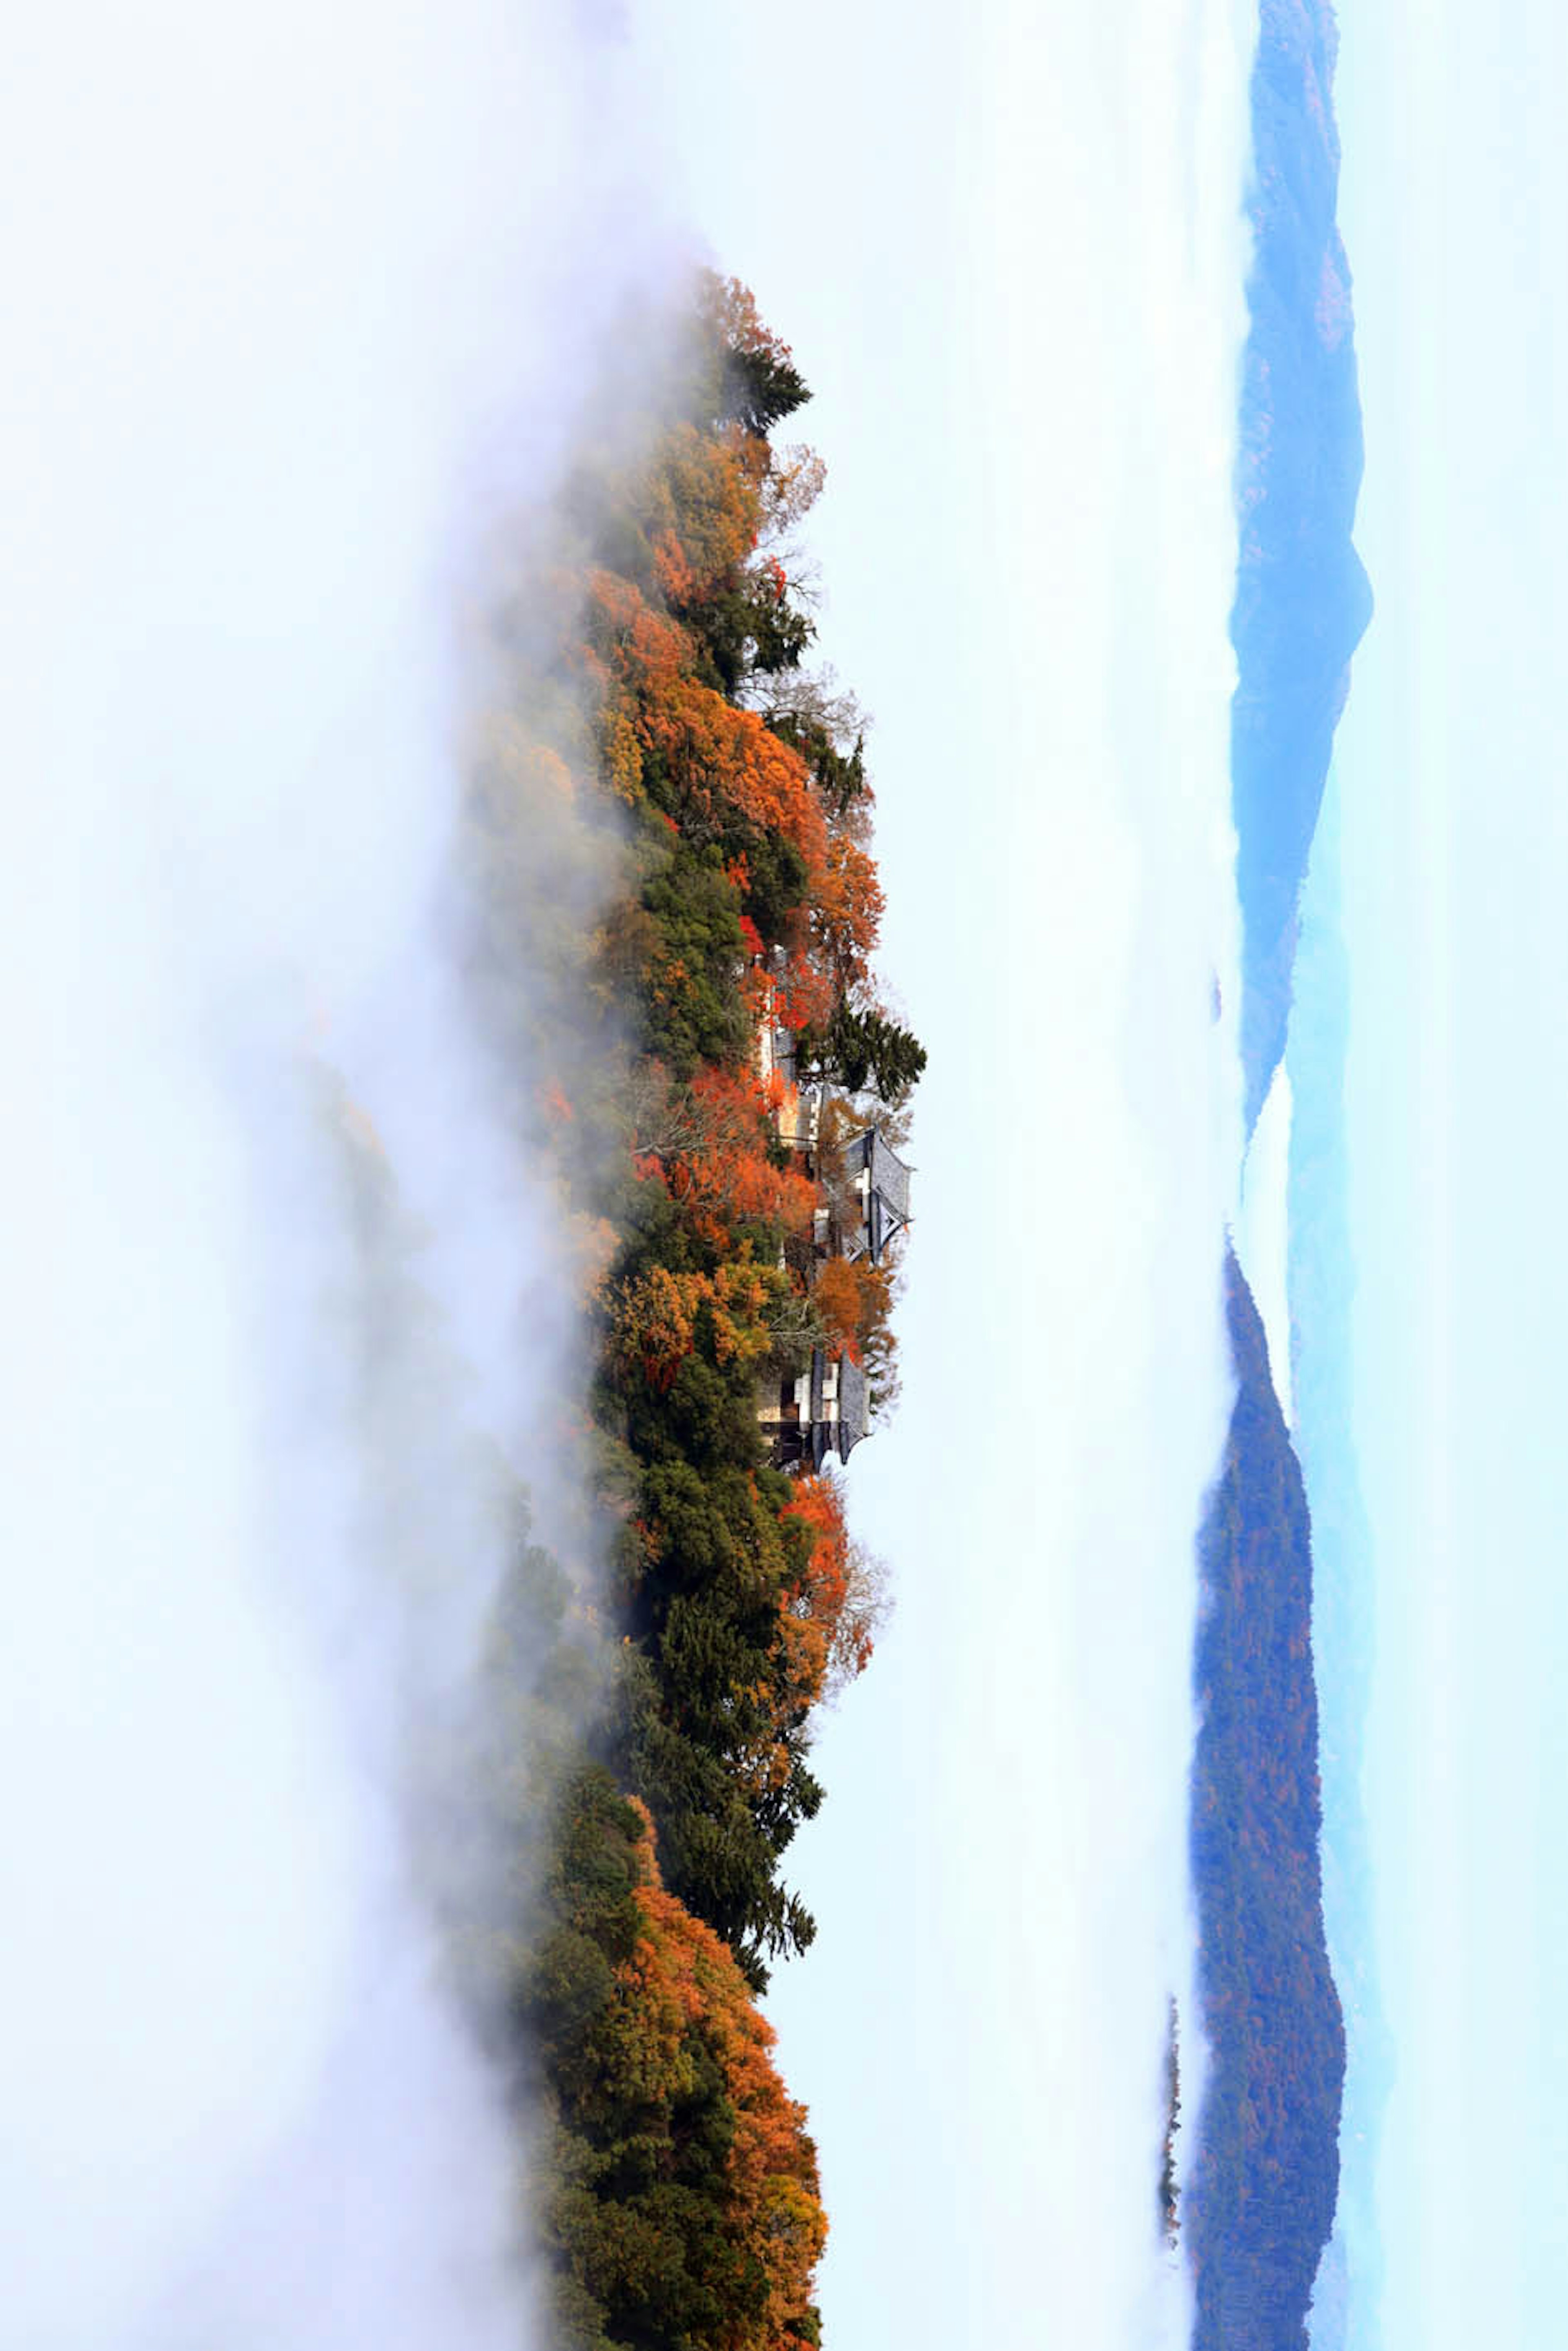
(299, 299)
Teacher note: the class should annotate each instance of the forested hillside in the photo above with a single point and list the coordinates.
(701, 1068)
(1261, 2202)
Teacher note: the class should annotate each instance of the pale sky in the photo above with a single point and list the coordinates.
(1455, 832)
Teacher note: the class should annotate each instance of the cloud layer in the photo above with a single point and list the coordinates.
(300, 298)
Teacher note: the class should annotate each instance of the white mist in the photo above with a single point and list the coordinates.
(297, 297)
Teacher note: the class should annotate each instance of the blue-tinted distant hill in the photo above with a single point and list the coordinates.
(1261, 2201)
(1302, 599)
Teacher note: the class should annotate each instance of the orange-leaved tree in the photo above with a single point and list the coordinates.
(699, 501)
(662, 1315)
(830, 1614)
(682, 1993)
(710, 1148)
(854, 1298)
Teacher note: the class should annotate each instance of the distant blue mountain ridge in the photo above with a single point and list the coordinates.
(1261, 2220)
(1303, 601)
(1261, 2199)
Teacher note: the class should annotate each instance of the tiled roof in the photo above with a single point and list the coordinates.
(887, 1195)
(889, 1174)
(854, 1410)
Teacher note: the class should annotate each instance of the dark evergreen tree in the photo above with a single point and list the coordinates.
(864, 1051)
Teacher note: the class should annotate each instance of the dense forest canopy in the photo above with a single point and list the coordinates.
(1262, 2200)
(699, 1066)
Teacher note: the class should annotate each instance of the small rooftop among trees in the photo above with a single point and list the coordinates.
(824, 1409)
(882, 1180)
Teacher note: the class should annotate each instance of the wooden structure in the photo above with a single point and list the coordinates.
(879, 1180)
(825, 1408)
(823, 1411)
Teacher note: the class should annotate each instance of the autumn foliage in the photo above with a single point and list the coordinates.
(664, 726)
(854, 1300)
(659, 1316)
(831, 1612)
(686, 1995)
(718, 1168)
(674, 2181)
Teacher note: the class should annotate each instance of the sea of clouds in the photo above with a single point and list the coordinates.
(299, 299)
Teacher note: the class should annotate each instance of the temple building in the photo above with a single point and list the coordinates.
(825, 1410)
(868, 1204)
(864, 1195)
(880, 1182)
